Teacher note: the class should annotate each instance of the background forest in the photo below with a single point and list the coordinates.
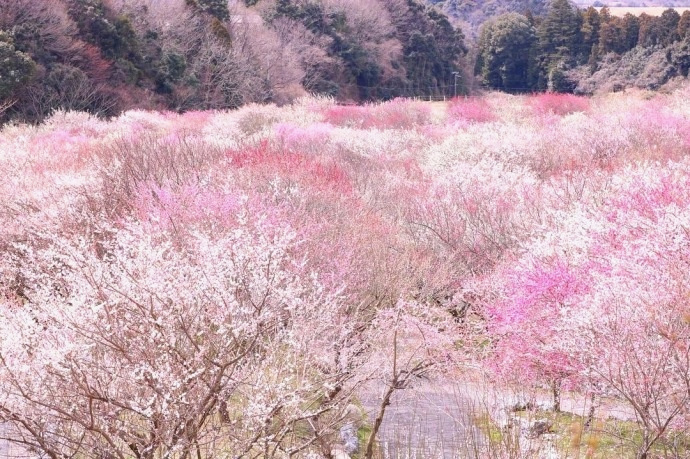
(104, 56)
(107, 56)
(573, 50)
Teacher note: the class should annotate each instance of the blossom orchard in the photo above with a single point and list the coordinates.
(230, 282)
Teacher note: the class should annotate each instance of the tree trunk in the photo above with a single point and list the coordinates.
(590, 415)
(394, 383)
(379, 419)
(556, 388)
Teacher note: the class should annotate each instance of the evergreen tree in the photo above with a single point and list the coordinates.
(559, 32)
(684, 25)
(668, 24)
(591, 24)
(503, 62)
(611, 37)
(114, 36)
(559, 42)
(16, 70)
(433, 49)
(631, 31)
(679, 56)
(216, 8)
(650, 31)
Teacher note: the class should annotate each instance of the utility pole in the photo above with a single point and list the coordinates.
(455, 84)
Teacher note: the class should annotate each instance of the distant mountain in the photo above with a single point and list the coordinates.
(640, 3)
(471, 14)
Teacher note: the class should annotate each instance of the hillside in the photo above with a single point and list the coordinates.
(108, 56)
(473, 13)
(105, 56)
(568, 49)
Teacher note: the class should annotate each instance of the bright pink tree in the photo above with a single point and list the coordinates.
(600, 298)
(527, 319)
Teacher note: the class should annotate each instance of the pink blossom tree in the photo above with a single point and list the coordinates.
(599, 300)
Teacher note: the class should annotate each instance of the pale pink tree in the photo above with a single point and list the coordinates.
(633, 326)
(156, 283)
(131, 345)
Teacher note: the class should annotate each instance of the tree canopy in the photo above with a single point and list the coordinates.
(108, 56)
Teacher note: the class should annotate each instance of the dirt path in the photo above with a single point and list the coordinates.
(438, 419)
(428, 421)
(9, 450)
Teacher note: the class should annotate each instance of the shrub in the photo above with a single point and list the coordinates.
(473, 110)
(558, 104)
(396, 114)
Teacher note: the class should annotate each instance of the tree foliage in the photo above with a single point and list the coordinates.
(503, 62)
(427, 48)
(17, 67)
(573, 46)
(229, 282)
(189, 54)
(475, 13)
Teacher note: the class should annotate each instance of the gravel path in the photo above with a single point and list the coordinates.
(9, 450)
(428, 421)
(437, 419)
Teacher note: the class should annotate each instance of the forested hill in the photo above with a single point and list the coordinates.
(583, 50)
(106, 56)
(476, 12)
